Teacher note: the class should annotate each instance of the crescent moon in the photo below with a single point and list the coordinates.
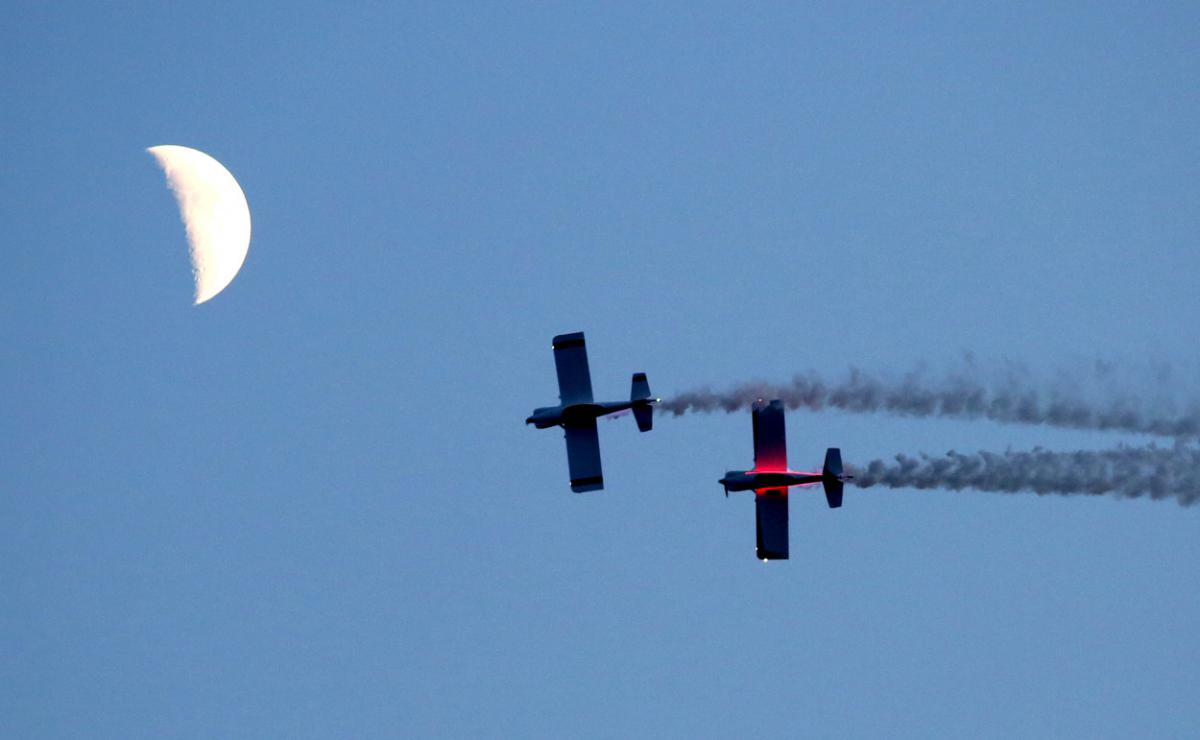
(214, 211)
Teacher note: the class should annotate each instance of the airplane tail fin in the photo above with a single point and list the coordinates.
(642, 412)
(832, 477)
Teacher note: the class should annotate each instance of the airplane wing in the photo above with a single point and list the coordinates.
(770, 438)
(583, 456)
(771, 516)
(570, 360)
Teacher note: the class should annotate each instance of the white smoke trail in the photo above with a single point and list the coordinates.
(961, 395)
(1167, 472)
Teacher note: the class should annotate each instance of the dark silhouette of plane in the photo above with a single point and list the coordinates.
(577, 412)
(770, 479)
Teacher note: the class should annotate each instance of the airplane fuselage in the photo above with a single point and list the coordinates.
(550, 416)
(750, 480)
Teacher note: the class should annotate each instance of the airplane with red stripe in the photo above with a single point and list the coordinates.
(770, 479)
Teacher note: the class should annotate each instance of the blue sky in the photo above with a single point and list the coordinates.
(309, 507)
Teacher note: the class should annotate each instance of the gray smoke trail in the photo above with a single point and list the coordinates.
(959, 395)
(1125, 471)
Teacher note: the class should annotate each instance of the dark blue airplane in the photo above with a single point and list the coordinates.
(577, 412)
(770, 479)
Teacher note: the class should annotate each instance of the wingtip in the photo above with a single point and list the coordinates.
(562, 341)
(583, 485)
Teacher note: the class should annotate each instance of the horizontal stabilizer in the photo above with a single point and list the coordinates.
(833, 492)
(640, 388)
(833, 463)
(645, 417)
(831, 477)
(640, 391)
